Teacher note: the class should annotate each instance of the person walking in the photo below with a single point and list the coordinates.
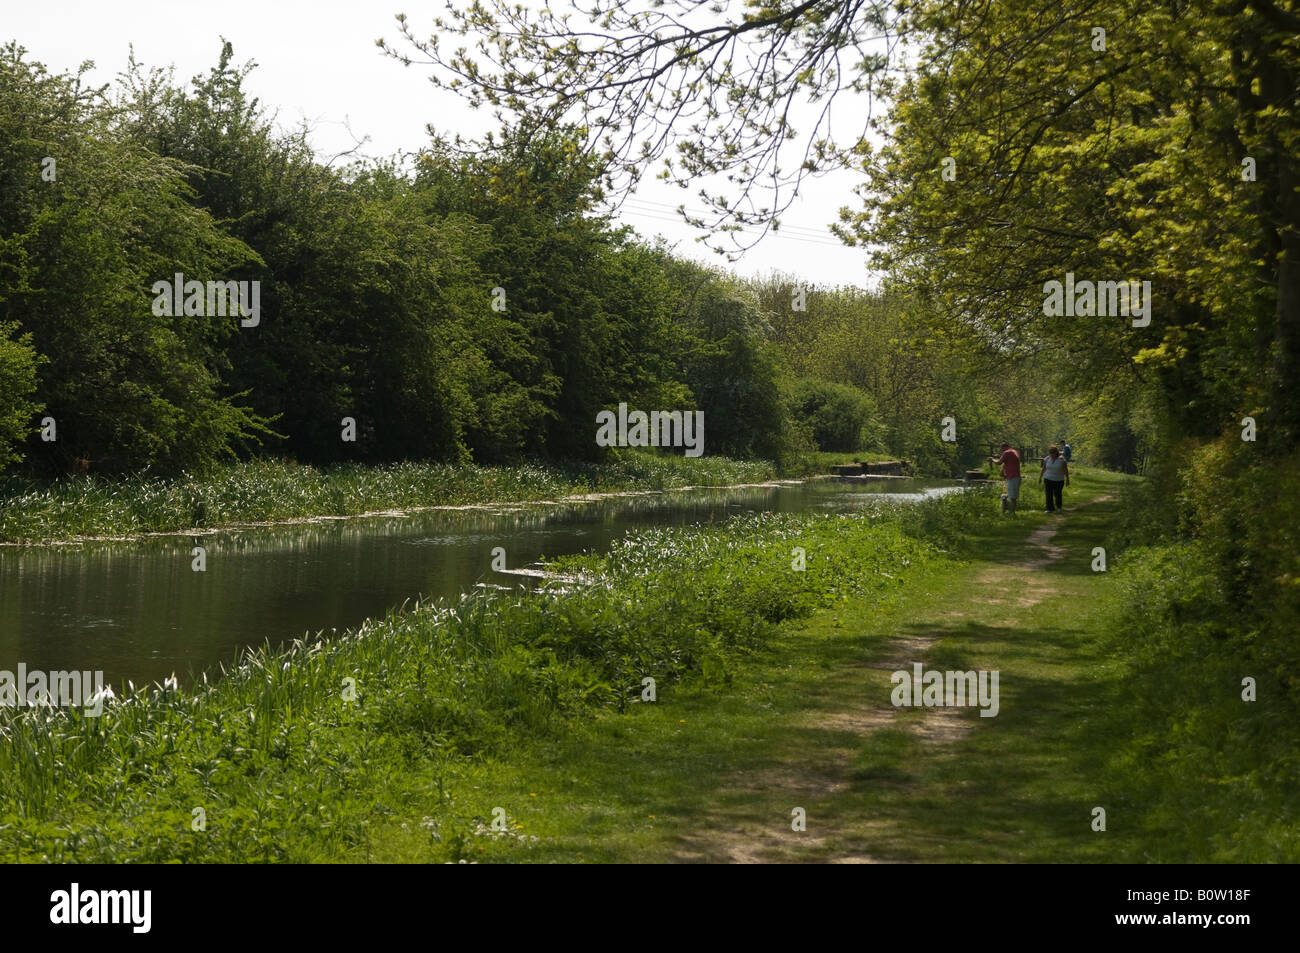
(1010, 461)
(1055, 476)
(1067, 451)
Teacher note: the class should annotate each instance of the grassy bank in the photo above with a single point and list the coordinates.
(1215, 764)
(408, 739)
(270, 491)
(286, 764)
(1111, 696)
(714, 773)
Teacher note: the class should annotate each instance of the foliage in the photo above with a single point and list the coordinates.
(289, 769)
(17, 382)
(839, 416)
(1115, 158)
(637, 107)
(455, 307)
(262, 491)
(81, 242)
(1211, 772)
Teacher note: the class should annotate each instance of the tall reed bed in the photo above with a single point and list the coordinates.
(270, 490)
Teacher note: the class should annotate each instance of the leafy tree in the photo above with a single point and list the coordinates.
(839, 417)
(702, 89)
(729, 365)
(1115, 163)
(587, 321)
(80, 248)
(17, 382)
(1121, 157)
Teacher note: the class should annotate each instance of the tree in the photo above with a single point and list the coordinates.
(1109, 157)
(17, 382)
(685, 82)
(89, 221)
(729, 364)
(1121, 154)
(840, 418)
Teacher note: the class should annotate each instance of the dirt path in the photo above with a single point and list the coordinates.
(814, 772)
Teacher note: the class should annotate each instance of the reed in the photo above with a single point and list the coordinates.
(262, 491)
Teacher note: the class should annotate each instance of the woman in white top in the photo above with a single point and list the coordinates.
(1055, 476)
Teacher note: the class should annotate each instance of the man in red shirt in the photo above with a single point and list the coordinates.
(1010, 461)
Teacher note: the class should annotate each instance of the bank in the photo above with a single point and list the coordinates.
(309, 753)
(1111, 744)
(681, 707)
(258, 492)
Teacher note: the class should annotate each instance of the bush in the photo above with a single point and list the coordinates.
(1244, 513)
(17, 382)
(1195, 751)
(840, 418)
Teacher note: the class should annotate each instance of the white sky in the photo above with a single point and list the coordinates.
(317, 59)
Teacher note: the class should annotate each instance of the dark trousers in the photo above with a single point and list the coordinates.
(1054, 488)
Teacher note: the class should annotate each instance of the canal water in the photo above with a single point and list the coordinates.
(138, 611)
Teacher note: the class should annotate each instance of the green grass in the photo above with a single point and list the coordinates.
(721, 769)
(287, 767)
(528, 708)
(269, 491)
(1088, 719)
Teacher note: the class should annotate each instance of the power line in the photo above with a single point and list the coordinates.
(779, 236)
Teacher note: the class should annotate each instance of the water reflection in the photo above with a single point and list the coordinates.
(137, 610)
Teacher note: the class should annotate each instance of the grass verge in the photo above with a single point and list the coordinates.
(517, 727)
(303, 755)
(266, 491)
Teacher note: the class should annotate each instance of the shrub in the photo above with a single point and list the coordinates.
(841, 418)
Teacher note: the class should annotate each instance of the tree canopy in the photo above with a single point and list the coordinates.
(1111, 137)
(706, 88)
